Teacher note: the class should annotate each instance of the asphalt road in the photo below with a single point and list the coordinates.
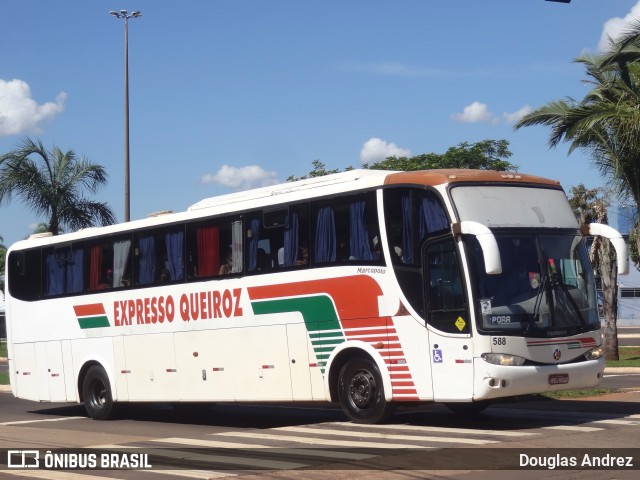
(315, 441)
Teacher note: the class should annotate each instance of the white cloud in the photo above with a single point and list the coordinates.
(474, 113)
(479, 113)
(615, 26)
(376, 150)
(242, 178)
(513, 117)
(19, 113)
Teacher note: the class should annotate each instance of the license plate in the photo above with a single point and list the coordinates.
(558, 379)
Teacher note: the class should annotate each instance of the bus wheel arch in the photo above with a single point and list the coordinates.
(96, 391)
(357, 382)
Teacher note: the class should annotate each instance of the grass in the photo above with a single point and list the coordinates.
(629, 357)
(3, 348)
(4, 378)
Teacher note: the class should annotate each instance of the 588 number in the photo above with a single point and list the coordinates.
(498, 340)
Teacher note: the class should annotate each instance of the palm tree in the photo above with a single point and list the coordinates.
(606, 124)
(590, 205)
(52, 183)
(3, 252)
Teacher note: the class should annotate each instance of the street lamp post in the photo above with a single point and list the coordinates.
(127, 196)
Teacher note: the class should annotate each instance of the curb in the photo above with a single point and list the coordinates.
(620, 370)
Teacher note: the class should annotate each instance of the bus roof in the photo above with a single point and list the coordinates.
(352, 180)
(364, 178)
(441, 177)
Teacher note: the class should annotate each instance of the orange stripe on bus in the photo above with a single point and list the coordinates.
(87, 310)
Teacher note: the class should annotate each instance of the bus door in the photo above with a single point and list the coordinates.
(448, 322)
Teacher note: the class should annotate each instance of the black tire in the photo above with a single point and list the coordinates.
(96, 392)
(361, 393)
(468, 408)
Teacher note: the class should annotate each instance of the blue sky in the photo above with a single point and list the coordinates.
(230, 94)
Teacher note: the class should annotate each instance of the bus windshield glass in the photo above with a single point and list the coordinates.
(546, 287)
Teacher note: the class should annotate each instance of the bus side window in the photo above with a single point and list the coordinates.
(109, 264)
(64, 270)
(445, 294)
(24, 269)
(160, 256)
(325, 235)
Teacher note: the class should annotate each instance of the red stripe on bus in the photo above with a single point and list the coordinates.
(88, 310)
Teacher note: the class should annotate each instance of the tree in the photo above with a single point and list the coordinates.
(484, 155)
(319, 170)
(52, 183)
(605, 124)
(590, 205)
(3, 254)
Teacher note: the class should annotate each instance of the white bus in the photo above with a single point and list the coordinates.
(369, 288)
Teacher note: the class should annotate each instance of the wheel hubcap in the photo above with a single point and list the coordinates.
(362, 389)
(99, 394)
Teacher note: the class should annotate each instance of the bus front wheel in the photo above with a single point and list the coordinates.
(361, 392)
(96, 392)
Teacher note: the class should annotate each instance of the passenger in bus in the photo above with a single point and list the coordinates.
(225, 268)
(107, 282)
(263, 260)
(375, 251)
(165, 275)
(303, 256)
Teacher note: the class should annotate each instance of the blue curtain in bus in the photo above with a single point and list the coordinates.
(147, 264)
(175, 255)
(359, 247)
(291, 241)
(64, 272)
(432, 215)
(253, 244)
(407, 224)
(73, 271)
(55, 275)
(325, 236)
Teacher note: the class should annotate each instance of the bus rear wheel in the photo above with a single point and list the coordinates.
(361, 393)
(96, 392)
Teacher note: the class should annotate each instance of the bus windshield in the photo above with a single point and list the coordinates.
(546, 287)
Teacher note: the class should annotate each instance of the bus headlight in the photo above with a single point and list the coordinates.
(594, 353)
(503, 359)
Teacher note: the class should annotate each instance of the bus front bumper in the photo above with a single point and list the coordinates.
(496, 381)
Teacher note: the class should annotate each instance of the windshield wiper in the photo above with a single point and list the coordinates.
(538, 303)
(550, 282)
(573, 303)
(545, 288)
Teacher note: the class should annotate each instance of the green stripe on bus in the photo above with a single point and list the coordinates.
(318, 312)
(94, 322)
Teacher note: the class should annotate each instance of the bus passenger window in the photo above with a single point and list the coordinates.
(23, 274)
(445, 294)
(160, 256)
(63, 267)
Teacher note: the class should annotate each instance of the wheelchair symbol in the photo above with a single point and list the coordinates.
(437, 356)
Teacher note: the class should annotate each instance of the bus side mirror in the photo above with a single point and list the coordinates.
(616, 240)
(487, 241)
